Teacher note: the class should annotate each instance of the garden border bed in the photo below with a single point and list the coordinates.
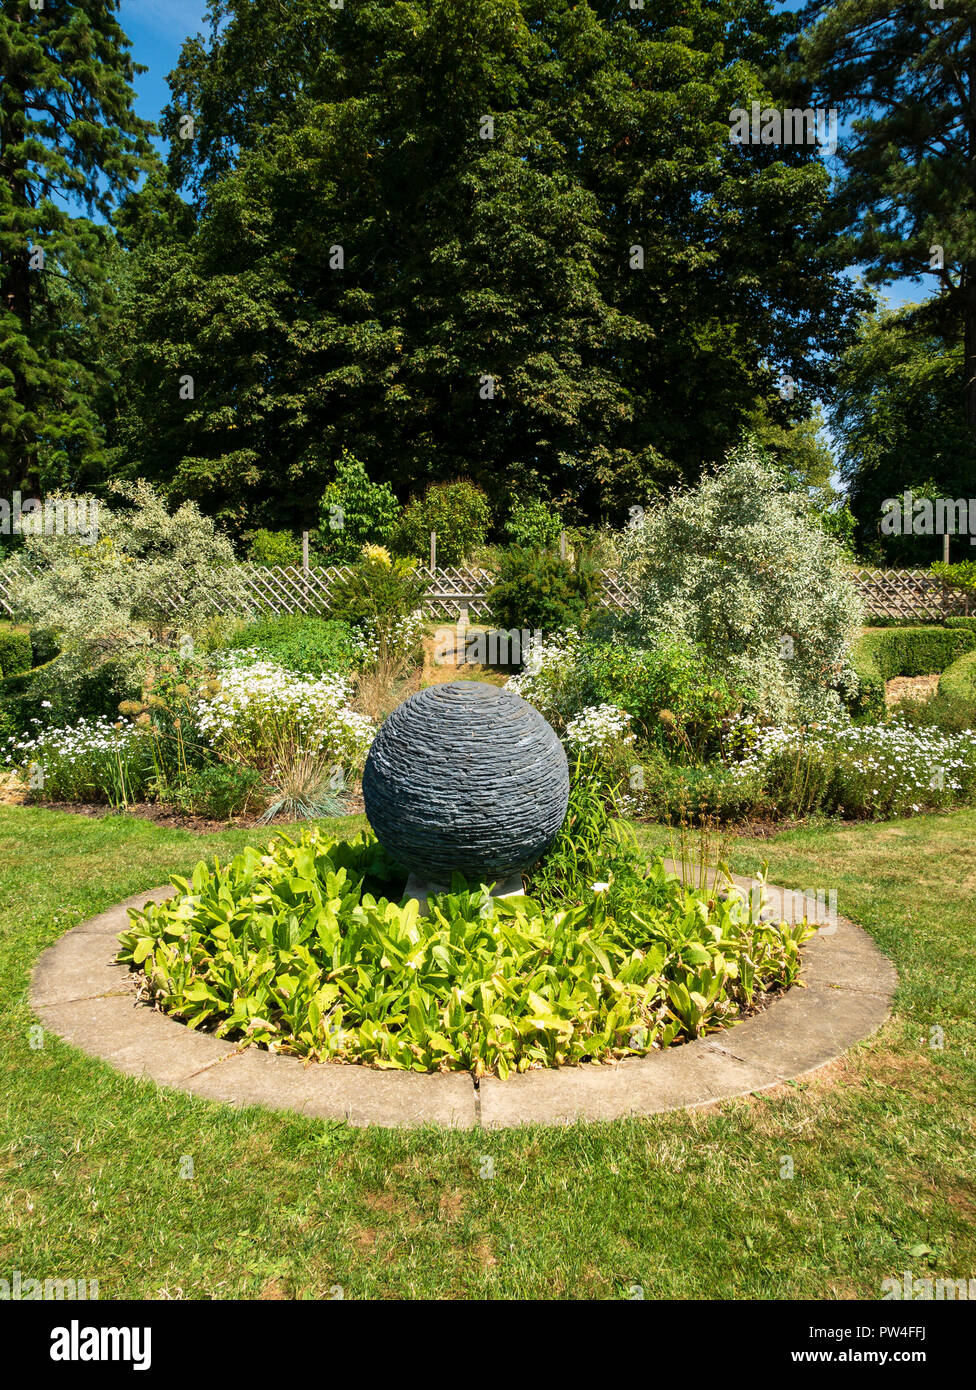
(80, 994)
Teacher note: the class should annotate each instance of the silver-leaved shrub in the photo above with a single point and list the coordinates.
(150, 577)
(740, 565)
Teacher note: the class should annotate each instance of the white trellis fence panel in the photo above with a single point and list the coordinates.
(280, 590)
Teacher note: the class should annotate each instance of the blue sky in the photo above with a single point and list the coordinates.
(157, 29)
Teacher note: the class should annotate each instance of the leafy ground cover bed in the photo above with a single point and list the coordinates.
(310, 947)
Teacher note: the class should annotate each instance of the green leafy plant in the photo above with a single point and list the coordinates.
(961, 575)
(741, 567)
(538, 590)
(306, 949)
(459, 514)
(220, 792)
(311, 646)
(355, 511)
(274, 548)
(16, 654)
(377, 588)
(533, 523)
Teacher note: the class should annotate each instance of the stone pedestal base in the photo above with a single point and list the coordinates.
(421, 889)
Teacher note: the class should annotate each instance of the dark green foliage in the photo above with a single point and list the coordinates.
(459, 514)
(675, 700)
(903, 76)
(968, 623)
(21, 699)
(915, 651)
(68, 135)
(592, 843)
(486, 321)
(16, 654)
(41, 695)
(538, 590)
(899, 425)
(219, 792)
(373, 589)
(309, 645)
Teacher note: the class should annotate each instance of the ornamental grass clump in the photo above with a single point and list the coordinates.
(310, 949)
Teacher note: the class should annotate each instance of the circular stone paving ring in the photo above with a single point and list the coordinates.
(469, 778)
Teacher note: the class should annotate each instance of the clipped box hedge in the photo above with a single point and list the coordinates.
(958, 681)
(912, 651)
(881, 654)
(16, 654)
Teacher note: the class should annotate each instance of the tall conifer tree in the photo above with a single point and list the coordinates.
(69, 141)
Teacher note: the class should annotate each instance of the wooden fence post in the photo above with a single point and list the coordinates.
(562, 545)
(305, 551)
(433, 551)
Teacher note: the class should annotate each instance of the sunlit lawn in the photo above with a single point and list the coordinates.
(682, 1205)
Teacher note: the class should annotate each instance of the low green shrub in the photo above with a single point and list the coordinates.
(274, 548)
(969, 623)
(221, 792)
(866, 700)
(536, 589)
(44, 645)
(952, 709)
(961, 575)
(376, 588)
(668, 689)
(675, 699)
(311, 646)
(671, 793)
(959, 679)
(16, 653)
(306, 949)
(51, 696)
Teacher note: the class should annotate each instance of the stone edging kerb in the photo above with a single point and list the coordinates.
(83, 997)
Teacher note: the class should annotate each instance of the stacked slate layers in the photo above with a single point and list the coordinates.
(466, 777)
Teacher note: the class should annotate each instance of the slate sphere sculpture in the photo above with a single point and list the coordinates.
(466, 777)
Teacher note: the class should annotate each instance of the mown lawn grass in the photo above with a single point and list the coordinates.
(681, 1205)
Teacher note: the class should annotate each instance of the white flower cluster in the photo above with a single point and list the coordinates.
(596, 726)
(886, 766)
(551, 675)
(402, 637)
(260, 698)
(544, 657)
(71, 761)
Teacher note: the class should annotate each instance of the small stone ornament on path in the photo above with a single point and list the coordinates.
(466, 778)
